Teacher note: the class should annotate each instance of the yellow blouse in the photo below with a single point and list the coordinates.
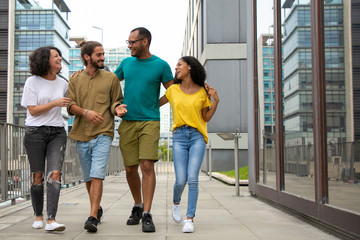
(186, 108)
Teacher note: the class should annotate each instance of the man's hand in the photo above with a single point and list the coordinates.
(121, 110)
(94, 117)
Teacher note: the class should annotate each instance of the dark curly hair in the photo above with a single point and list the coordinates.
(197, 71)
(39, 60)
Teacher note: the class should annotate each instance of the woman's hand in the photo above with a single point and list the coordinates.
(62, 102)
(212, 93)
(40, 109)
(207, 113)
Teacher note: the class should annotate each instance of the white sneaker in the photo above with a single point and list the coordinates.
(38, 224)
(188, 226)
(176, 214)
(54, 226)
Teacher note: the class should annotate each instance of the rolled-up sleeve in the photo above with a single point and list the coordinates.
(116, 94)
(71, 94)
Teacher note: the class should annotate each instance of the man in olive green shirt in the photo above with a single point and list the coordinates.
(96, 98)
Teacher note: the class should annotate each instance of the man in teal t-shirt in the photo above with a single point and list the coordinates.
(140, 128)
(142, 86)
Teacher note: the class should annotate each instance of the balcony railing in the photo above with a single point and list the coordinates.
(15, 175)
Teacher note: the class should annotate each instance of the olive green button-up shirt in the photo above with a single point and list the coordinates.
(101, 93)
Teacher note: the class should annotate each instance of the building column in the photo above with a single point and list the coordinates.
(11, 60)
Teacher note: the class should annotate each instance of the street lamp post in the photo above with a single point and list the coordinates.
(102, 33)
(234, 136)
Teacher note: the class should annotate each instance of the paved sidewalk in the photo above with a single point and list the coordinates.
(220, 215)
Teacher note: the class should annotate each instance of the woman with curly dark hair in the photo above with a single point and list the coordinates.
(190, 100)
(45, 137)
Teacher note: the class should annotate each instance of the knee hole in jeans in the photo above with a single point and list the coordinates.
(37, 178)
(54, 177)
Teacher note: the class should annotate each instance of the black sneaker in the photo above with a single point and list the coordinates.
(135, 216)
(99, 214)
(147, 223)
(91, 224)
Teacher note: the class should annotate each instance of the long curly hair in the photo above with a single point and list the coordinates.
(39, 60)
(197, 71)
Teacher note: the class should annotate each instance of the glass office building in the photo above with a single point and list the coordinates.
(35, 27)
(4, 52)
(114, 56)
(75, 61)
(297, 72)
(265, 48)
(266, 81)
(314, 167)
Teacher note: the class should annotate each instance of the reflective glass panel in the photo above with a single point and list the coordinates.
(342, 100)
(297, 99)
(265, 53)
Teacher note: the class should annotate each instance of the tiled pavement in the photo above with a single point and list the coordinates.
(220, 215)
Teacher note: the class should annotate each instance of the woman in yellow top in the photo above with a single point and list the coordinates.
(192, 108)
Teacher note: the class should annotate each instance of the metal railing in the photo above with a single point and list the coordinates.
(14, 168)
(343, 161)
(15, 180)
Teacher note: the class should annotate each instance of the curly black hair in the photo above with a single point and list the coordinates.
(39, 60)
(197, 71)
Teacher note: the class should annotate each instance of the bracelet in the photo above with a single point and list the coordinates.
(86, 111)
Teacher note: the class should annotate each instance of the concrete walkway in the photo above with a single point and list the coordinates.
(220, 215)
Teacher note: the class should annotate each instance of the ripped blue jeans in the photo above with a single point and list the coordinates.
(45, 143)
(188, 151)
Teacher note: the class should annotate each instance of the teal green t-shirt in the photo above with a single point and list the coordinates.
(143, 78)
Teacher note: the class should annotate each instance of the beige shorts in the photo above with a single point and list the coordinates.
(139, 140)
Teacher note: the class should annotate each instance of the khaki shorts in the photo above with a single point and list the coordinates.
(139, 140)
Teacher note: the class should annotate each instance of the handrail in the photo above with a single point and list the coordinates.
(15, 180)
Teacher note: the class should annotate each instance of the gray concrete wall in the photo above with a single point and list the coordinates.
(251, 119)
(225, 21)
(225, 60)
(229, 77)
(216, 33)
(223, 160)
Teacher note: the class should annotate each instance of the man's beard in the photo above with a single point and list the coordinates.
(95, 64)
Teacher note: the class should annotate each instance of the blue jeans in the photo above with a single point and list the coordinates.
(188, 152)
(93, 157)
(45, 144)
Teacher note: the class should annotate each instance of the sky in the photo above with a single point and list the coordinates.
(165, 19)
(265, 10)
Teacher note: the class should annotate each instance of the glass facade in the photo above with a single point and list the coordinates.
(36, 26)
(75, 61)
(315, 174)
(267, 109)
(114, 56)
(298, 100)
